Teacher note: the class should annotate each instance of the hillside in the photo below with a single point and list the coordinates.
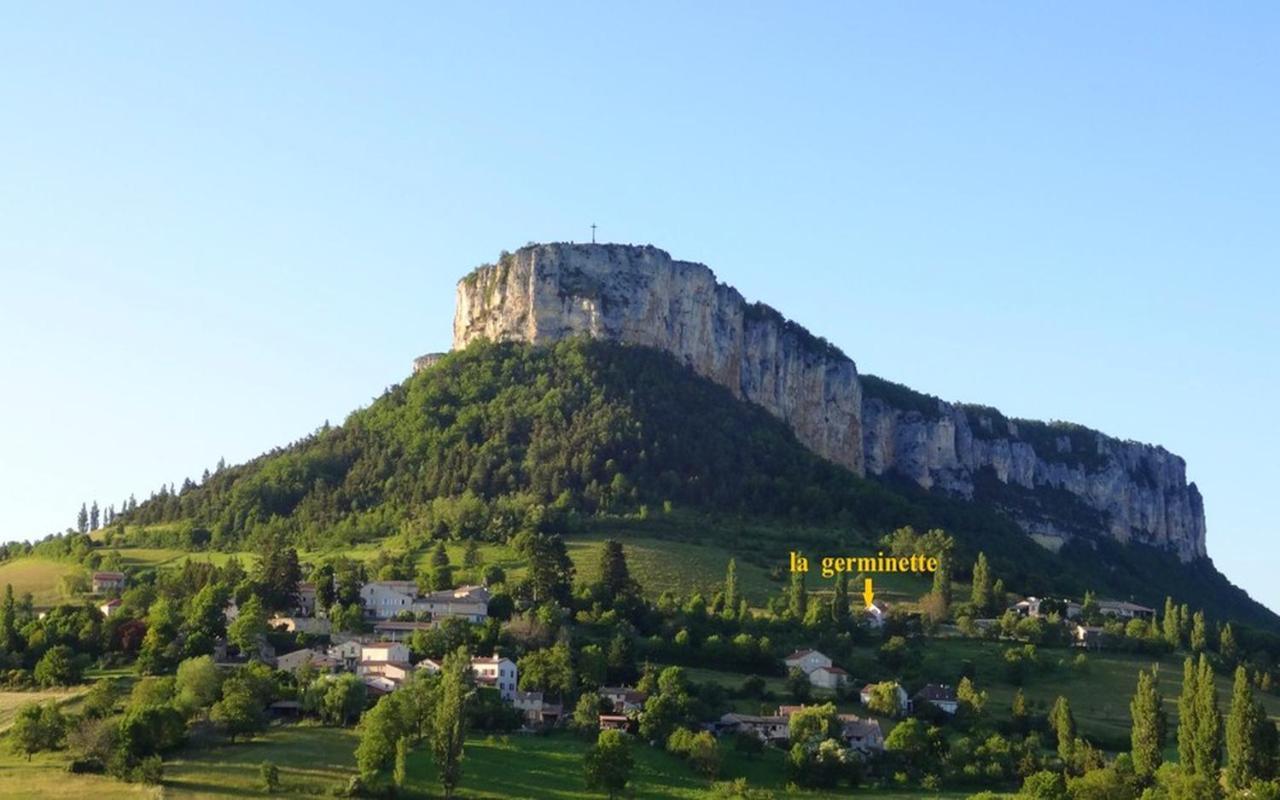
(570, 436)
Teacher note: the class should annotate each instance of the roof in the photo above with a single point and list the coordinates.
(107, 576)
(489, 660)
(933, 691)
(113, 602)
(1123, 604)
(397, 625)
(752, 719)
(832, 670)
(383, 644)
(800, 654)
(372, 662)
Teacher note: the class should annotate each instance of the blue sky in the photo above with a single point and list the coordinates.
(220, 227)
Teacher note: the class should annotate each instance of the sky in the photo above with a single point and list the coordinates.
(222, 226)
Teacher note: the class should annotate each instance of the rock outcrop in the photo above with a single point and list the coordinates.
(1057, 480)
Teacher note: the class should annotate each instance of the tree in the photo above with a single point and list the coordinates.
(57, 667)
(550, 573)
(1199, 635)
(9, 641)
(885, 699)
(239, 712)
(731, 587)
(1170, 626)
(1244, 724)
(277, 574)
(1208, 737)
(981, 596)
(942, 575)
(1018, 711)
(197, 683)
(380, 729)
(840, 599)
(400, 771)
(36, 728)
(342, 699)
(970, 699)
(1187, 715)
(1064, 725)
(95, 516)
(549, 669)
(586, 714)
(615, 578)
(1227, 646)
(82, 519)
(441, 568)
(269, 774)
(1147, 735)
(450, 722)
(249, 627)
(797, 597)
(608, 763)
(471, 555)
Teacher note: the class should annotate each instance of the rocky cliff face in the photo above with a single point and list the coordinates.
(1057, 480)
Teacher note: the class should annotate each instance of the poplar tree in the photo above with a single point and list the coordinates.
(1170, 624)
(798, 602)
(1208, 748)
(1187, 716)
(95, 515)
(942, 577)
(449, 732)
(1227, 646)
(82, 519)
(1148, 732)
(1064, 724)
(981, 596)
(840, 601)
(1199, 636)
(1244, 757)
(731, 587)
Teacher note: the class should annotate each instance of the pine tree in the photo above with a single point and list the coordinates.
(1064, 725)
(615, 578)
(1199, 636)
(1148, 731)
(981, 596)
(731, 587)
(1208, 736)
(840, 600)
(1170, 624)
(1187, 715)
(1244, 757)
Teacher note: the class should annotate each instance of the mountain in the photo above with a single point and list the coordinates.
(497, 437)
(1059, 481)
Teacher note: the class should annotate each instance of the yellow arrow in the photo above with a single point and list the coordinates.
(868, 593)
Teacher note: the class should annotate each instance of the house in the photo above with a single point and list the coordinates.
(110, 607)
(391, 670)
(828, 677)
(377, 685)
(298, 624)
(939, 696)
(306, 600)
(385, 599)
(538, 712)
(1125, 610)
(806, 661)
(623, 698)
(874, 615)
(904, 701)
(347, 653)
(1041, 607)
(396, 631)
(292, 662)
(468, 602)
(107, 582)
(616, 722)
(863, 735)
(1089, 637)
(395, 652)
(769, 729)
(498, 672)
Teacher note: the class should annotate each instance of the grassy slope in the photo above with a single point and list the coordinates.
(38, 576)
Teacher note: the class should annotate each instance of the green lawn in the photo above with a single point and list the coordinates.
(312, 761)
(38, 576)
(10, 702)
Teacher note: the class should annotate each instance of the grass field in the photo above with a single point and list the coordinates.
(10, 702)
(38, 576)
(46, 777)
(312, 761)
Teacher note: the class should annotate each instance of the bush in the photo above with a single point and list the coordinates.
(270, 775)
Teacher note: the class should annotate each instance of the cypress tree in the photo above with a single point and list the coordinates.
(942, 578)
(82, 519)
(1244, 758)
(981, 596)
(614, 575)
(1187, 716)
(798, 602)
(1148, 731)
(95, 516)
(1208, 737)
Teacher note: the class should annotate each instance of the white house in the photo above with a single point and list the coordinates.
(863, 735)
(110, 607)
(1125, 610)
(828, 677)
(107, 581)
(623, 698)
(769, 729)
(468, 602)
(874, 615)
(806, 661)
(306, 599)
(394, 652)
(292, 662)
(385, 599)
(347, 653)
(391, 630)
(498, 672)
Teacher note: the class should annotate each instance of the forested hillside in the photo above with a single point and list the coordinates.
(497, 438)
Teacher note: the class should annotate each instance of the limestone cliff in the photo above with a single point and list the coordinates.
(1057, 480)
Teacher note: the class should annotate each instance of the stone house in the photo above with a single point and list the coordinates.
(107, 581)
(806, 661)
